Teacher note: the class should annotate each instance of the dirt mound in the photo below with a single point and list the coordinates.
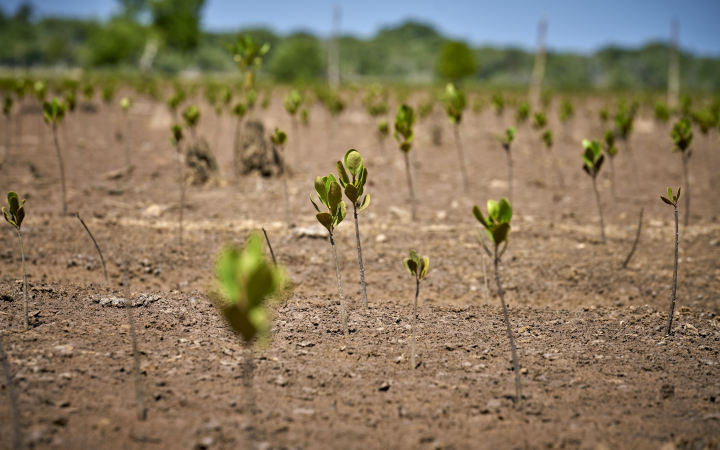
(203, 164)
(254, 152)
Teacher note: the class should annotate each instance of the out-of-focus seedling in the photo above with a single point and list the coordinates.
(191, 115)
(498, 103)
(506, 141)
(662, 113)
(176, 139)
(88, 92)
(404, 120)
(7, 111)
(418, 268)
(329, 193)
(611, 150)
(567, 111)
(279, 139)
(248, 56)
(108, 92)
(454, 104)
(292, 102)
(239, 112)
(539, 120)
(547, 138)
(592, 162)
(53, 112)
(522, 114)
(354, 188)
(175, 100)
(672, 201)
(14, 215)
(624, 124)
(682, 137)
(497, 228)
(125, 107)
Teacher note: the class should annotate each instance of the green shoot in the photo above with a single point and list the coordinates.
(176, 138)
(611, 150)
(354, 188)
(592, 162)
(248, 55)
(330, 195)
(239, 112)
(418, 268)
(498, 103)
(522, 114)
(191, 116)
(672, 200)
(454, 104)
(14, 215)
(547, 138)
(279, 139)
(506, 141)
(124, 107)
(682, 137)
(53, 112)
(292, 103)
(404, 120)
(497, 228)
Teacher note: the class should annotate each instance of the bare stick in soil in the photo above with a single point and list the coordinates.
(637, 239)
(136, 354)
(330, 195)
(418, 268)
(497, 228)
(354, 189)
(404, 120)
(672, 200)
(175, 141)
(506, 141)
(14, 215)
(269, 246)
(107, 283)
(12, 399)
(592, 162)
(454, 104)
(53, 113)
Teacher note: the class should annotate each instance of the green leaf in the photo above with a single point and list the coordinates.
(13, 202)
(412, 265)
(677, 197)
(424, 266)
(325, 220)
(226, 270)
(259, 284)
(239, 321)
(8, 217)
(500, 233)
(19, 216)
(364, 204)
(342, 174)
(414, 256)
(354, 162)
(341, 213)
(351, 193)
(406, 263)
(321, 190)
(334, 196)
(479, 216)
(666, 200)
(493, 211)
(505, 211)
(490, 235)
(314, 204)
(362, 179)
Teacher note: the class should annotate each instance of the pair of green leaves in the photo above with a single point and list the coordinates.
(547, 138)
(610, 147)
(330, 195)
(416, 266)
(292, 102)
(279, 137)
(453, 103)
(354, 187)
(497, 224)
(191, 114)
(671, 199)
(176, 136)
(592, 157)
(53, 111)
(539, 120)
(15, 213)
(247, 53)
(404, 121)
(245, 279)
(507, 138)
(682, 135)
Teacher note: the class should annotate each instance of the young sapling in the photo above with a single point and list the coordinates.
(682, 137)
(279, 138)
(97, 247)
(329, 193)
(14, 215)
(672, 200)
(191, 115)
(611, 150)
(454, 104)
(124, 107)
(592, 162)
(404, 120)
(522, 114)
(506, 141)
(497, 228)
(53, 112)
(624, 124)
(176, 140)
(354, 192)
(418, 268)
(292, 103)
(239, 112)
(547, 138)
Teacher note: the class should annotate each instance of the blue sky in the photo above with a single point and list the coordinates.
(574, 25)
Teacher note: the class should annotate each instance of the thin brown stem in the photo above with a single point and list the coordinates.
(12, 399)
(414, 324)
(248, 375)
(599, 206)
(410, 185)
(62, 168)
(25, 284)
(360, 260)
(136, 354)
(516, 365)
(461, 157)
(637, 239)
(686, 177)
(674, 284)
(510, 174)
(107, 283)
(269, 246)
(181, 183)
(343, 313)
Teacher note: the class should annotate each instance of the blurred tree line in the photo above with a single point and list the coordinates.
(410, 52)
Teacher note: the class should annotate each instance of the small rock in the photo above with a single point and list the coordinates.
(281, 381)
(384, 387)
(493, 405)
(205, 443)
(60, 421)
(313, 232)
(380, 238)
(667, 391)
(64, 350)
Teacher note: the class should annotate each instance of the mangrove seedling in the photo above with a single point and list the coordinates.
(662, 113)
(14, 215)
(506, 141)
(292, 103)
(522, 114)
(547, 138)
(279, 138)
(498, 103)
(125, 107)
(592, 162)
(97, 247)
(497, 228)
(454, 104)
(239, 112)
(329, 193)
(175, 100)
(682, 137)
(539, 120)
(248, 56)
(611, 150)
(88, 91)
(354, 192)
(191, 115)
(53, 112)
(176, 138)
(624, 124)
(418, 268)
(140, 410)
(404, 120)
(567, 111)
(672, 201)
(305, 117)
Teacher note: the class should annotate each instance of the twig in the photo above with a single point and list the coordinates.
(269, 246)
(136, 356)
(637, 239)
(414, 321)
(516, 365)
(107, 283)
(17, 437)
(674, 284)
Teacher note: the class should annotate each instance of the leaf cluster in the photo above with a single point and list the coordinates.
(416, 266)
(70, 100)
(292, 102)
(7, 105)
(567, 110)
(705, 119)
(662, 112)
(507, 138)
(523, 113)
(15, 213)
(497, 224)
(175, 99)
(404, 121)
(671, 199)
(191, 115)
(305, 116)
(592, 157)
(239, 110)
(547, 138)
(624, 120)
(279, 137)
(610, 147)
(53, 111)
(248, 54)
(539, 120)
(329, 193)
(354, 186)
(88, 91)
(682, 135)
(454, 103)
(383, 128)
(176, 135)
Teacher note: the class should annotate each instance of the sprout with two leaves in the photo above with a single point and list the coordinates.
(682, 137)
(611, 150)
(354, 188)
(672, 201)
(454, 104)
(506, 141)
(125, 107)
(592, 162)
(176, 139)
(329, 193)
(497, 228)
(53, 113)
(191, 116)
(404, 121)
(548, 141)
(418, 268)
(248, 56)
(279, 139)
(14, 215)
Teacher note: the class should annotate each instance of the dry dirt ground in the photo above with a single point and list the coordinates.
(597, 371)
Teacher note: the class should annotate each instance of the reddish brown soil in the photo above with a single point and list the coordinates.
(597, 371)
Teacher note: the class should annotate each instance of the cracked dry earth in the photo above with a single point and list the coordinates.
(597, 372)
